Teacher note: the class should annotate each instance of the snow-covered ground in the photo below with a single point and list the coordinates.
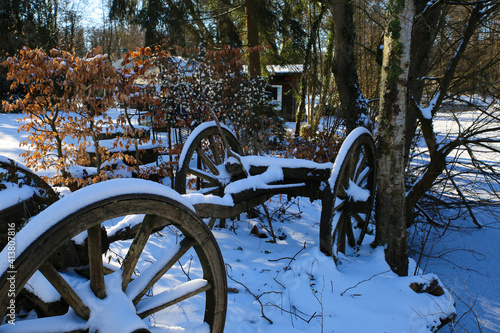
(294, 286)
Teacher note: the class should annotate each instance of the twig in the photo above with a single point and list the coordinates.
(463, 199)
(290, 312)
(279, 283)
(189, 268)
(357, 284)
(257, 298)
(320, 301)
(471, 309)
(427, 217)
(291, 259)
(269, 220)
(423, 245)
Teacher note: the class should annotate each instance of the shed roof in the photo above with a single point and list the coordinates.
(285, 69)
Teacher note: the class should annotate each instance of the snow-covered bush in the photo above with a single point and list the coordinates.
(197, 83)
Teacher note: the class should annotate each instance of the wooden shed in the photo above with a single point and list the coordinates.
(284, 82)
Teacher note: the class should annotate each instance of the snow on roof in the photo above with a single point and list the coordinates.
(285, 69)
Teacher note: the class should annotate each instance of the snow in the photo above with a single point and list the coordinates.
(198, 198)
(273, 174)
(427, 111)
(42, 288)
(250, 160)
(356, 192)
(14, 194)
(171, 294)
(285, 69)
(116, 312)
(361, 295)
(300, 289)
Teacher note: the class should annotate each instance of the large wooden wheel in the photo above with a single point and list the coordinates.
(202, 166)
(163, 270)
(348, 202)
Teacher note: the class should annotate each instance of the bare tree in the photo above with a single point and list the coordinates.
(479, 11)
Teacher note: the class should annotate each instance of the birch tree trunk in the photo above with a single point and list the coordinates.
(390, 208)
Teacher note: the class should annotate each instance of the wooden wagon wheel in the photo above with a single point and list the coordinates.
(144, 286)
(202, 167)
(202, 163)
(347, 207)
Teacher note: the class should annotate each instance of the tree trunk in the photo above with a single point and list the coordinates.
(307, 64)
(154, 11)
(327, 81)
(424, 33)
(390, 208)
(352, 101)
(253, 39)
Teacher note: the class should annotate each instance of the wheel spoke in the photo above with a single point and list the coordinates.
(95, 261)
(214, 147)
(135, 250)
(359, 167)
(62, 286)
(359, 219)
(171, 297)
(204, 175)
(341, 193)
(363, 175)
(352, 163)
(362, 225)
(207, 161)
(349, 233)
(340, 230)
(150, 276)
(339, 204)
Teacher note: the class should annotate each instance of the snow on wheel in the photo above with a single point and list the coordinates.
(142, 259)
(347, 207)
(202, 163)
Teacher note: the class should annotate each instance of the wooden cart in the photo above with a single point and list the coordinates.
(92, 246)
(222, 183)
